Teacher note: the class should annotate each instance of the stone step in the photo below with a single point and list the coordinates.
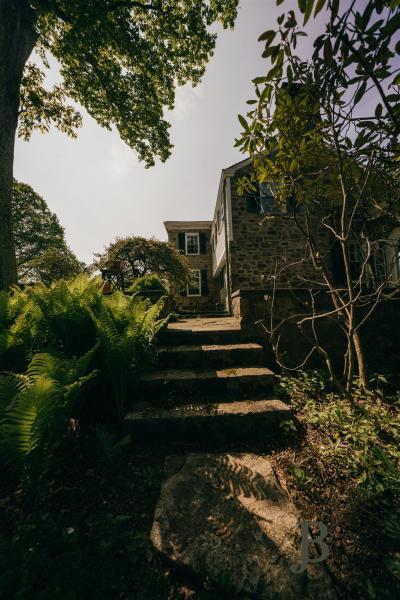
(223, 518)
(177, 336)
(201, 315)
(214, 355)
(234, 380)
(245, 420)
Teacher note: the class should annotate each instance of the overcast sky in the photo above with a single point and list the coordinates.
(97, 186)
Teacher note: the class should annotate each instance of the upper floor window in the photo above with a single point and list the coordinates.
(192, 243)
(265, 201)
(268, 198)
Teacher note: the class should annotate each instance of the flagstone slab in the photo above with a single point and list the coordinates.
(225, 518)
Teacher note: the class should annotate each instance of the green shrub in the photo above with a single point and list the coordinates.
(53, 318)
(126, 327)
(68, 317)
(149, 282)
(359, 438)
(36, 409)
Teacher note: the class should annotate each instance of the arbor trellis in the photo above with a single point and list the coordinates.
(120, 59)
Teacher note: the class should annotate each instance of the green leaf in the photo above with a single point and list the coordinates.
(259, 80)
(360, 92)
(308, 11)
(319, 6)
(378, 111)
(334, 9)
(267, 36)
(266, 93)
(293, 165)
(243, 122)
(328, 52)
(251, 102)
(392, 25)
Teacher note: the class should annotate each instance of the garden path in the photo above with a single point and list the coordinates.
(222, 514)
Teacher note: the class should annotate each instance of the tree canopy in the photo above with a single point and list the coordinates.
(325, 128)
(121, 60)
(141, 256)
(41, 250)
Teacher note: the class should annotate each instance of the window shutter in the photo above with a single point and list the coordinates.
(202, 238)
(252, 204)
(291, 205)
(204, 282)
(181, 243)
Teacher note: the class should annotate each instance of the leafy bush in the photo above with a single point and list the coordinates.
(62, 318)
(126, 328)
(43, 332)
(53, 318)
(149, 282)
(36, 409)
(359, 438)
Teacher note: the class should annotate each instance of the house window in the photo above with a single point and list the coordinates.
(265, 200)
(378, 268)
(194, 288)
(355, 259)
(192, 243)
(268, 198)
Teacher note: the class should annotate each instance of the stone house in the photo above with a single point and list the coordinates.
(234, 256)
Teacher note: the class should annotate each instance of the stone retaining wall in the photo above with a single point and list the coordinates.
(379, 335)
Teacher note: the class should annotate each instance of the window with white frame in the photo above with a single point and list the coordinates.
(378, 272)
(194, 287)
(192, 243)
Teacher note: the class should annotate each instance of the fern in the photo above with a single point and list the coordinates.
(107, 443)
(35, 409)
(126, 328)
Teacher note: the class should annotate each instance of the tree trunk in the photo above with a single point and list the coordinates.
(17, 40)
(362, 370)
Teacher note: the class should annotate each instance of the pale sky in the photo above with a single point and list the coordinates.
(97, 186)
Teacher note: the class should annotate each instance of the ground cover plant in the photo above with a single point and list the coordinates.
(345, 472)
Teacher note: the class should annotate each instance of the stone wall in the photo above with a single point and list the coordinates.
(379, 335)
(260, 241)
(206, 302)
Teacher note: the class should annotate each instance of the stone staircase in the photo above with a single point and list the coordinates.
(222, 516)
(210, 385)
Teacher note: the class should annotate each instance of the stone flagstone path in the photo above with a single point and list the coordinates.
(222, 515)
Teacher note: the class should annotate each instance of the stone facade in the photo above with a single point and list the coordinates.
(263, 242)
(244, 247)
(208, 298)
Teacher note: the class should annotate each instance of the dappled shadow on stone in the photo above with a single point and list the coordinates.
(224, 517)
